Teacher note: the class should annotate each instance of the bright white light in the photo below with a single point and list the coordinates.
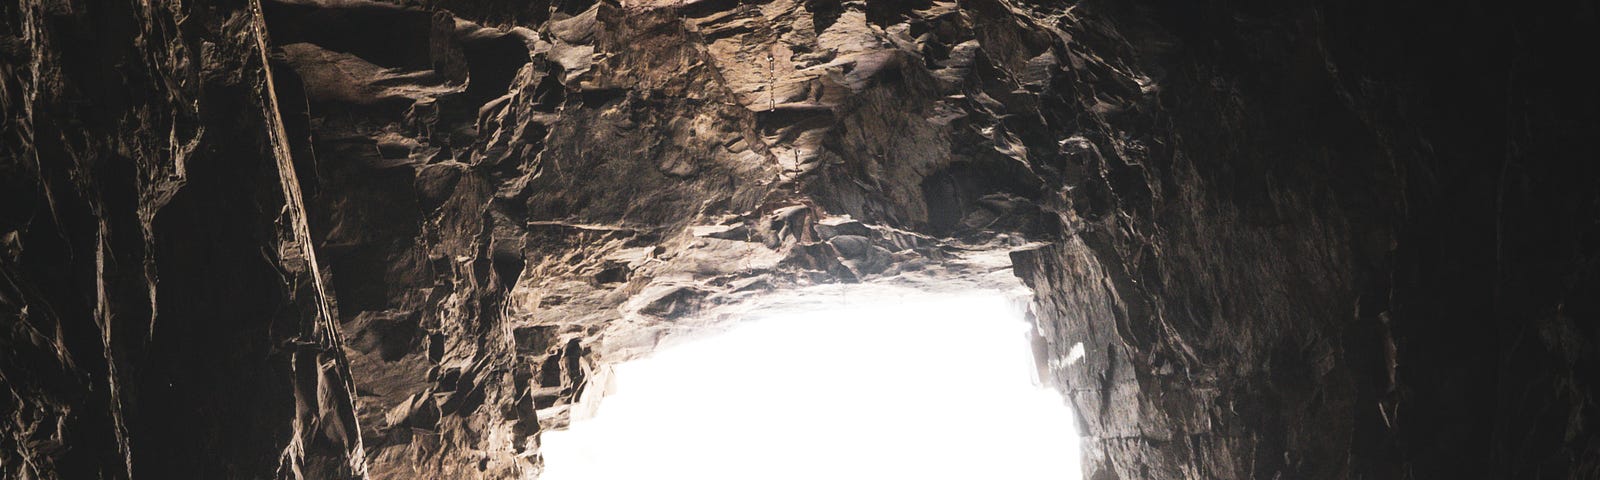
(922, 387)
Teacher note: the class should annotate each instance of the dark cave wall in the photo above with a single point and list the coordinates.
(1362, 245)
(162, 315)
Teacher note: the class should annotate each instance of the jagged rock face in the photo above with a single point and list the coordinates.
(1357, 242)
(504, 208)
(1205, 306)
(163, 312)
(339, 239)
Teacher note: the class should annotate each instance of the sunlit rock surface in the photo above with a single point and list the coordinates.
(356, 238)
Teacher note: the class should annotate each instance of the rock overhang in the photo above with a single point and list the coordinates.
(647, 174)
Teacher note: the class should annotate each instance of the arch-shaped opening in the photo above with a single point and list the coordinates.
(859, 383)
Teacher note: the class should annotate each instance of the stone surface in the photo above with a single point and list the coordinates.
(398, 239)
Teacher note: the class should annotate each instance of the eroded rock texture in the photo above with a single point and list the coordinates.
(398, 239)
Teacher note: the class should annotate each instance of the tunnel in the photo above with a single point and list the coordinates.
(613, 239)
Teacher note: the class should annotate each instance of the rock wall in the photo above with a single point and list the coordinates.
(339, 239)
(164, 313)
(1352, 240)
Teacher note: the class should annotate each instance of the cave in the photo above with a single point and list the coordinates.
(396, 239)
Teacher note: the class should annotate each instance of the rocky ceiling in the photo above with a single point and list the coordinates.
(323, 239)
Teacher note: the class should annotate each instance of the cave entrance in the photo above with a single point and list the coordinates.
(915, 386)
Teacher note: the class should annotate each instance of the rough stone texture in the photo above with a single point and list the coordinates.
(352, 238)
(1350, 241)
(163, 312)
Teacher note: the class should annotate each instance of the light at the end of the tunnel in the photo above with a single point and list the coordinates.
(920, 387)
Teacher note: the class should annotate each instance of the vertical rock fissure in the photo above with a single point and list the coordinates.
(102, 316)
(325, 330)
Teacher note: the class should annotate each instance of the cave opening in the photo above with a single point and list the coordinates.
(856, 383)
